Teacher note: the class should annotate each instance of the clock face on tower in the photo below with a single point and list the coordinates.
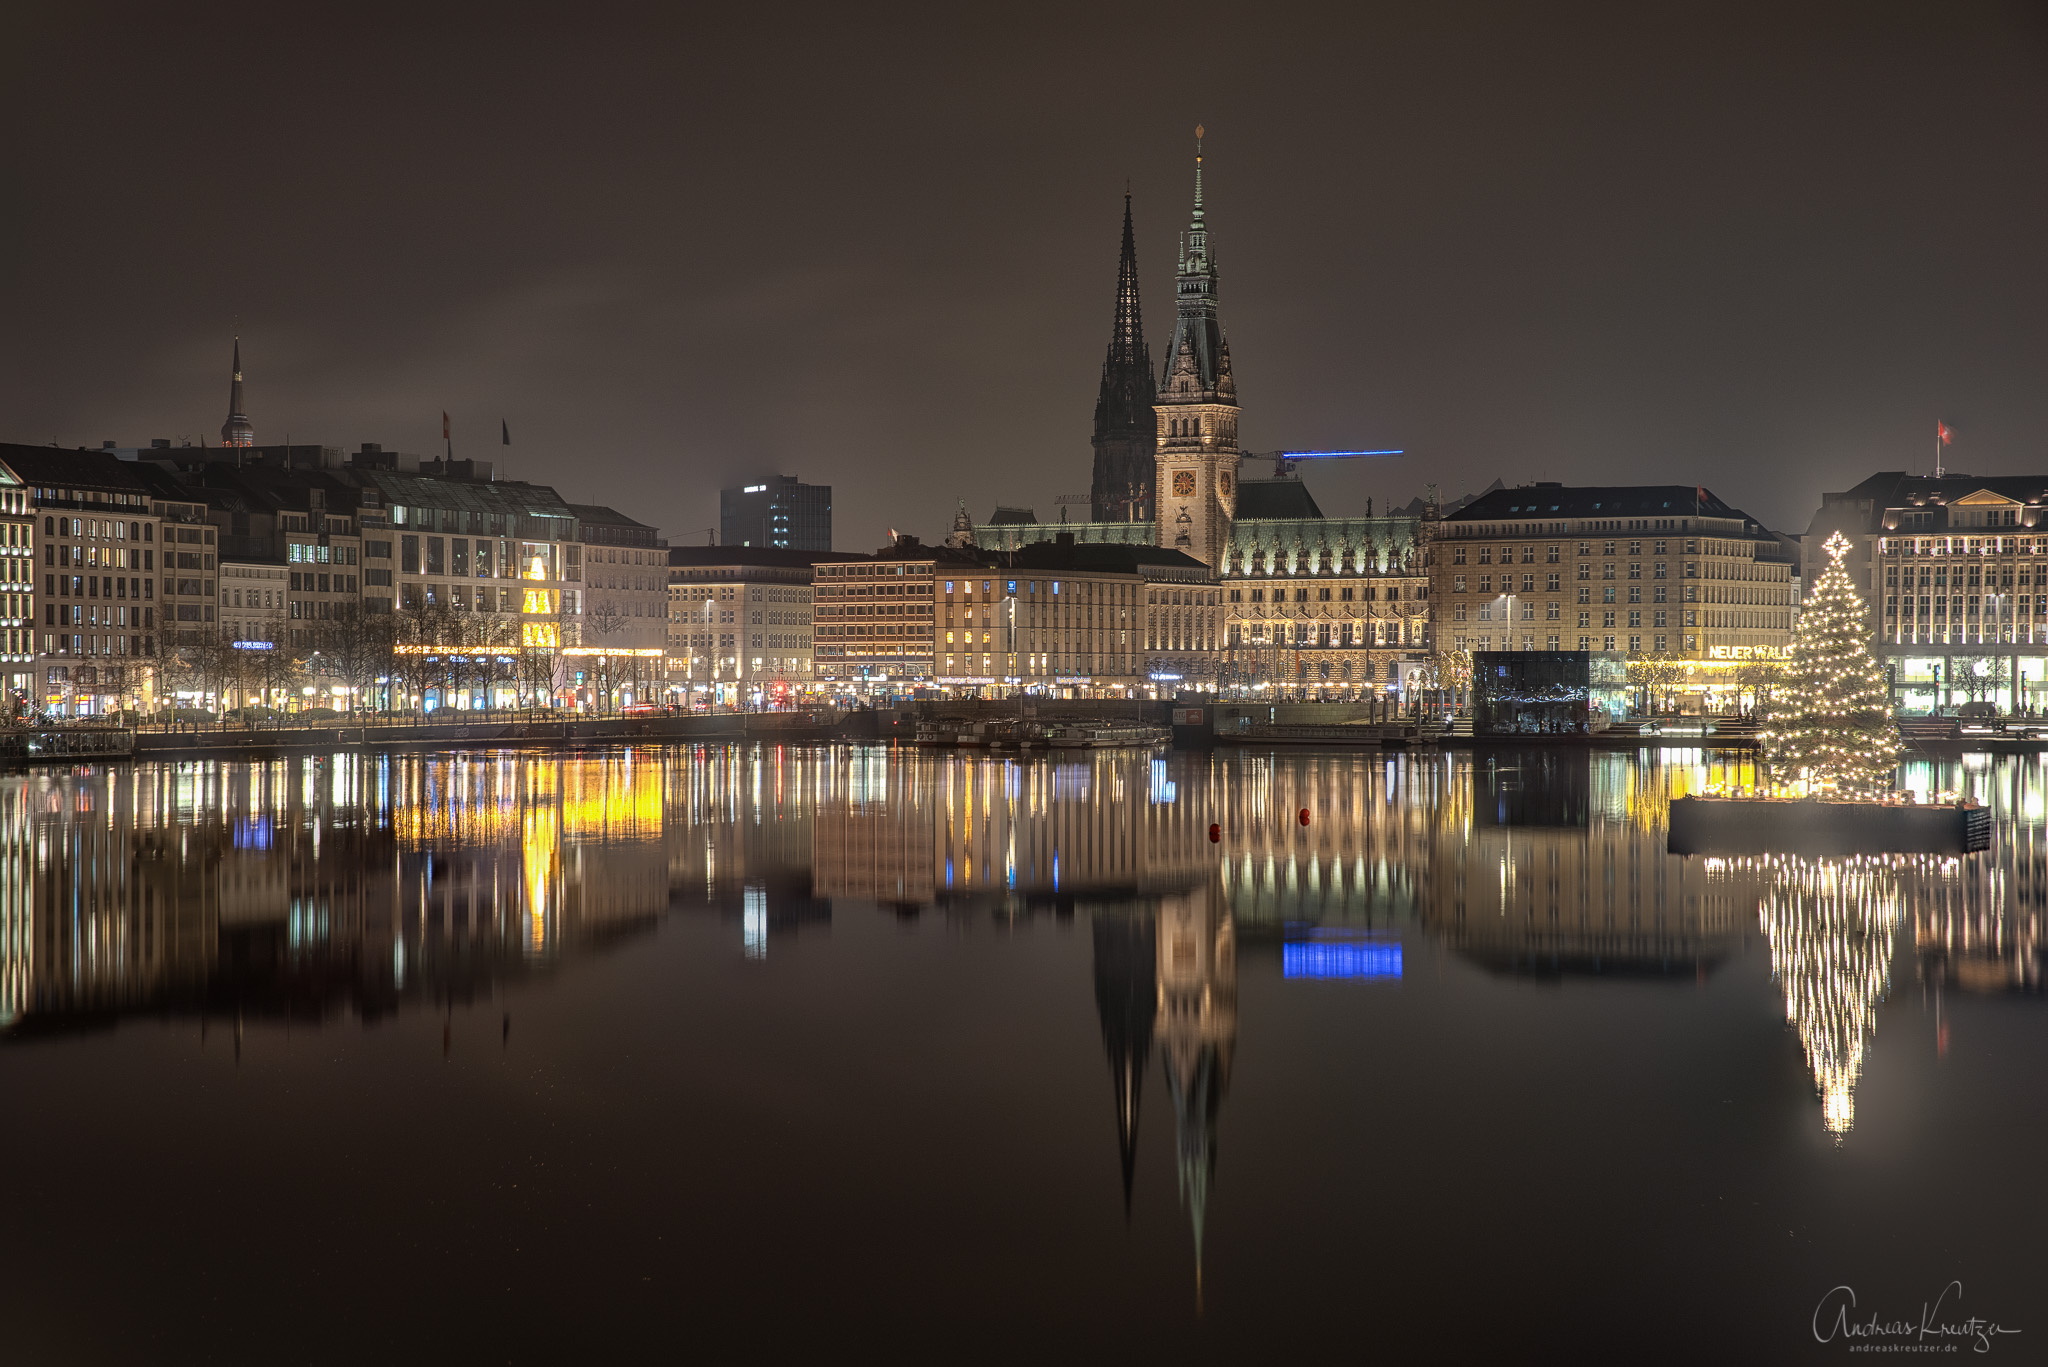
(1183, 483)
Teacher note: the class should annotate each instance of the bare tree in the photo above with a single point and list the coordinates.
(355, 646)
(1761, 680)
(602, 626)
(1975, 674)
(1657, 675)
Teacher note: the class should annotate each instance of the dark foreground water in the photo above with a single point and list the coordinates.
(836, 1053)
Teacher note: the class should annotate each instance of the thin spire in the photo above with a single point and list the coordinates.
(1127, 336)
(237, 430)
(1198, 173)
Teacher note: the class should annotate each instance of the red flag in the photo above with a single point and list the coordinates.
(1941, 430)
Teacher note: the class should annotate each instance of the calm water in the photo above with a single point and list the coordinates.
(524, 1058)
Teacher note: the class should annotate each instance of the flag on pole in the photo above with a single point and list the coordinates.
(505, 428)
(1941, 430)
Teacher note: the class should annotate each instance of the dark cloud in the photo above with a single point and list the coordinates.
(1761, 248)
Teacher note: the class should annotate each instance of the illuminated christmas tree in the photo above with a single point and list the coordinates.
(1831, 722)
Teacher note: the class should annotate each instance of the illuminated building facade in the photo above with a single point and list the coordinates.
(875, 616)
(498, 552)
(1195, 409)
(17, 588)
(625, 580)
(97, 547)
(739, 620)
(189, 557)
(1954, 572)
(1667, 573)
(1321, 606)
(777, 513)
(1068, 616)
(252, 601)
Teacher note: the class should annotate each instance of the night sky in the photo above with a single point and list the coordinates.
(1759, 248)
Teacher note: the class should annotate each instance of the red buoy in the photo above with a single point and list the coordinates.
(1215, 833)
(1304, 816)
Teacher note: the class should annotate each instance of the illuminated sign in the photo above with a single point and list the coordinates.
(1339, 954)
(254, 645)
(755, 489)
(1744, 653)
(970, 682)
(1163, 678)
(613, 652)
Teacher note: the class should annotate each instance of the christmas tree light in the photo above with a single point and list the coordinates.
(1831, 723)
(1831, 925)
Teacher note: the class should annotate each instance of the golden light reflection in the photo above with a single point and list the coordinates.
(1831, 925)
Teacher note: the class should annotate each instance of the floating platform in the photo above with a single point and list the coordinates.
(1761, 825)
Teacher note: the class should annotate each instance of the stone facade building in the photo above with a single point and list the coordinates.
(97, 554)
(1954, 571)
(740, 620)
(1665, 572)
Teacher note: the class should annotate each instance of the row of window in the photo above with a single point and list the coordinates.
(2025, 605)
(1346, 594)
(1659, 644)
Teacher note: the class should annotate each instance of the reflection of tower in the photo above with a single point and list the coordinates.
(1122, 490)
(1830, 926)
(1127, 999)
(237, 430)
(1197, 1029)
(1196, 408)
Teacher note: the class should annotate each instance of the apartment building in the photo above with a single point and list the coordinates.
(253, 598)
(625, 580)
(501, 551)
(1099, 616)
(17, 588)
(1055, 615)
(875, 615)
(97, 552)
(1954, 571)
(1664, 572)
(740, 620)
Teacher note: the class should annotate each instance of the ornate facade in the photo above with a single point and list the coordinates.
(1196, 408)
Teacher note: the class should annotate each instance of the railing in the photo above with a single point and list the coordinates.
(64, 743)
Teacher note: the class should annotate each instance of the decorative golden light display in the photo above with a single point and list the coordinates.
(1830, 924)
(1831, 723)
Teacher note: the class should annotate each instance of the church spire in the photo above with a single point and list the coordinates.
(1198, 367)
(237, 430)
(1124, 424)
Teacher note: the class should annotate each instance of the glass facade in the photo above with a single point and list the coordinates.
(1546, 693)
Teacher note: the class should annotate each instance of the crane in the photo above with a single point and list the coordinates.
(1283, 461)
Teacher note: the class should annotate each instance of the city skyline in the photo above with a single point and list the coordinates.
(1773, 268)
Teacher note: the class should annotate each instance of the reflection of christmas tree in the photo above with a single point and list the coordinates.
(1830, 925)
(1831, 721)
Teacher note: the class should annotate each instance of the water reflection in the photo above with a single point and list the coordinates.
(1831, 925)
(313, 888)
